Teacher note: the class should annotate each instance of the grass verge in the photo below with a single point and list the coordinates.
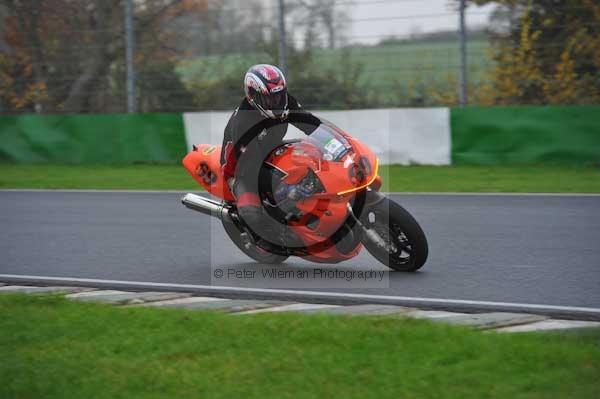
(551, 179)
(54, 348)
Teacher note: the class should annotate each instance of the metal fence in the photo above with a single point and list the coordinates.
(61, 56)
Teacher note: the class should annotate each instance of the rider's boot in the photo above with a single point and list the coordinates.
(269, 231)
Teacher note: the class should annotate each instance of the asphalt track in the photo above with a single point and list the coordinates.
(518, 249)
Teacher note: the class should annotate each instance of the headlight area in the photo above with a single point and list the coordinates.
(358, 173)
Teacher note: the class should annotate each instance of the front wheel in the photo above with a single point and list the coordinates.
(258, 254)
(403, 246)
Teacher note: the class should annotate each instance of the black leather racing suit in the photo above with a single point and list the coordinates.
(249, 137)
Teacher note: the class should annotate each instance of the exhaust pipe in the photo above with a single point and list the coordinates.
(205, 205)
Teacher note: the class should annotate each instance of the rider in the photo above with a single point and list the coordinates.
(256, 127)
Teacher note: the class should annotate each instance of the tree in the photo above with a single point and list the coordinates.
(67, 55)
(22, 84)
(548, 54)
(312, 15)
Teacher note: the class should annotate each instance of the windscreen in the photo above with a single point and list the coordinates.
(333, 146)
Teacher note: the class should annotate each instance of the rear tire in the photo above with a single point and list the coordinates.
(258, 254)
(397, 227)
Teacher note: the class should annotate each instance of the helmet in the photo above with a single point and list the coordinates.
(266, 90)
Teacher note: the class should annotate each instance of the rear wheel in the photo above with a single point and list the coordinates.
(404, 246)
(258, 254)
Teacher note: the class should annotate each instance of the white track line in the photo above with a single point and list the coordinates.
(550, 325)
(184, 301)
(292, 307)
(95, 293)
(306, 294)
(411, 193)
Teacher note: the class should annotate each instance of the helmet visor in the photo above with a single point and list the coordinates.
(274, 101)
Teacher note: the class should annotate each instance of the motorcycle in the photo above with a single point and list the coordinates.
(324, 189)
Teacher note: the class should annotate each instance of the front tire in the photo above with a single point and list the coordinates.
(258, 254)
(406, 247)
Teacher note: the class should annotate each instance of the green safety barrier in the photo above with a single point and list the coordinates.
(114, 138)
(480, 136)
(519, 135)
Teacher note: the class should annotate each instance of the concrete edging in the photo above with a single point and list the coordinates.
(498, 321)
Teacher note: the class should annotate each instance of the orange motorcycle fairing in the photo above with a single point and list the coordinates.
(203, 163)
(341, 174)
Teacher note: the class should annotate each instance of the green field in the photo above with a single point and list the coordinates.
(551, 179)
(406, 62)
(391, 71)
(54, 348)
